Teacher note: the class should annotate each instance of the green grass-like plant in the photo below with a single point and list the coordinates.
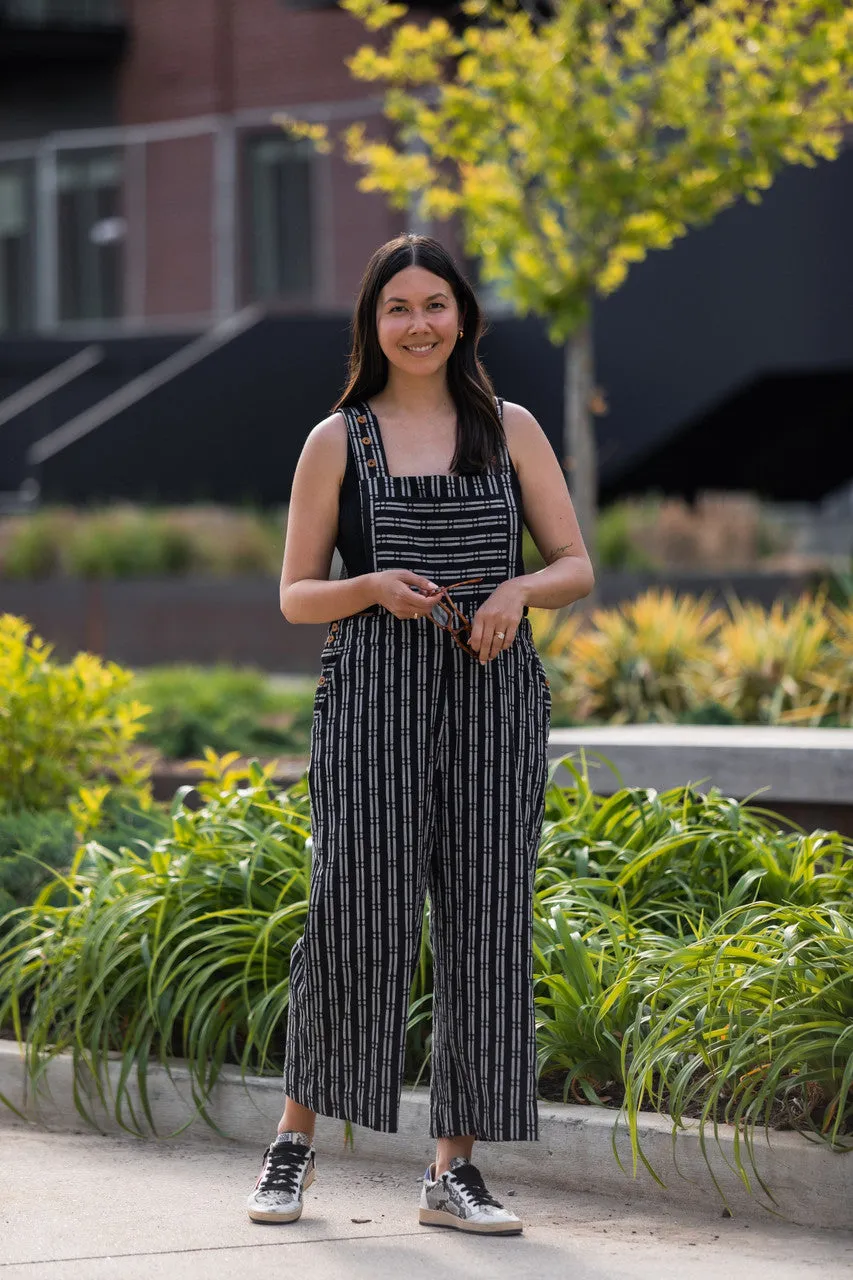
(692, 955)
(176, 949)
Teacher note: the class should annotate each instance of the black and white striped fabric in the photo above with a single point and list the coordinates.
(427, 775)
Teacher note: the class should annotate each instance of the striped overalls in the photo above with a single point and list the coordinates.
(427, 775)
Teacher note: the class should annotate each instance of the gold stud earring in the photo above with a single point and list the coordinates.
(460, 333)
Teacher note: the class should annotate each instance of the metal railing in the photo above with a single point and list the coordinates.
(62, 13)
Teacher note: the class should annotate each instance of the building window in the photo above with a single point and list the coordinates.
(91, 231)
(280, 240)
(16, 290)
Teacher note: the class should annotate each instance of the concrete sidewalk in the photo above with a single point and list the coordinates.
(88, 1207)
(810, 1184)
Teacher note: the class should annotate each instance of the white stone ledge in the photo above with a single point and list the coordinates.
(786, 764)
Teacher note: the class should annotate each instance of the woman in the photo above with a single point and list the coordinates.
(428, 755)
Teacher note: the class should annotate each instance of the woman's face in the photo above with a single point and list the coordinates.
(417, 320)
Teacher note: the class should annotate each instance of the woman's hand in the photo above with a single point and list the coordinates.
(502, 611)
(405, 594)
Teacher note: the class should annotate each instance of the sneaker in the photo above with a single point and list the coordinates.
(460, 1199)
(288, 1170)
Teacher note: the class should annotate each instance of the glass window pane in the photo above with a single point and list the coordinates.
(90, 235)
(16, 290)
(280, 222)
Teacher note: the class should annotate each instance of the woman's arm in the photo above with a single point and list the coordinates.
(549, 515)
(306, 594)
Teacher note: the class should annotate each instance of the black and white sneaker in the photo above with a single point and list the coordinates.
(460, 1199)
(288, 1170)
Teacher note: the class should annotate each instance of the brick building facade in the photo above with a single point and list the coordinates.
(146, 194)
(178, 200)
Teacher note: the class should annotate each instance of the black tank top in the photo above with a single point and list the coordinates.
(350, 542)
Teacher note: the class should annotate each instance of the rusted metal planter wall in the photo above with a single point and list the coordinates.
(158, 620)
(142, 623)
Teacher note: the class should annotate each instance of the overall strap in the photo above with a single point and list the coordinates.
(366, 452)
(505, 458)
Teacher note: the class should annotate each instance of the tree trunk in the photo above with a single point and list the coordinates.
(579, 433)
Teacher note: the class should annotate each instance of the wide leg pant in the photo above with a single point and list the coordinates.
(427, 774)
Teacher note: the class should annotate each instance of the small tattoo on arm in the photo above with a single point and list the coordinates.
(553, 555)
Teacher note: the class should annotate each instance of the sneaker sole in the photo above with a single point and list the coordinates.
(270, 1215)
(438, 1218)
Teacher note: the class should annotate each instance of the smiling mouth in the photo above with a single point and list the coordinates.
(420, 350)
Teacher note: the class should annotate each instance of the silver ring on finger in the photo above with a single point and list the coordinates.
(501, 635)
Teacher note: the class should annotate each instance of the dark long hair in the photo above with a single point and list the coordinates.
(479, 429)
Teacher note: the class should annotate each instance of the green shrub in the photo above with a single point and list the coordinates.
(31, 846)
(227, 541)
(667, 960)
(62, 726)
(34, 547)
(224, 708)
(34, 845)
(681, 854)
(616, 543)
(179, 948)
(124, 543)
(129, 541)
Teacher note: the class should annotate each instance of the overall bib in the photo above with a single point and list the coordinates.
(427, 774)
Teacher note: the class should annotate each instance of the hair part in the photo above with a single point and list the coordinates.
(479, 429)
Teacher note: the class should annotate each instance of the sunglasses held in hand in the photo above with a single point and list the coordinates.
(446, 615)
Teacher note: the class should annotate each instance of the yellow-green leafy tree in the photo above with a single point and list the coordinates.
(569, 146)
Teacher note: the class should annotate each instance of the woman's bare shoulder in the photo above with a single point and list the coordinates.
(521, 430)
(331, 430)
(518, 419)
(326, 445)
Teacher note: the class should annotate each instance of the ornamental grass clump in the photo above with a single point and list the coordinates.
(670, 660)
(174, 949)
(766, 661)
(586, 996)
(665, 857)
(749, 1024)
(643, 899)
(647, 661)
(833, 683)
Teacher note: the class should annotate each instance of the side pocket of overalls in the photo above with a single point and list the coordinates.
(526, 632)
(330, 659)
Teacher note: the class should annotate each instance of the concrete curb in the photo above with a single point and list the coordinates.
(811, 1184)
